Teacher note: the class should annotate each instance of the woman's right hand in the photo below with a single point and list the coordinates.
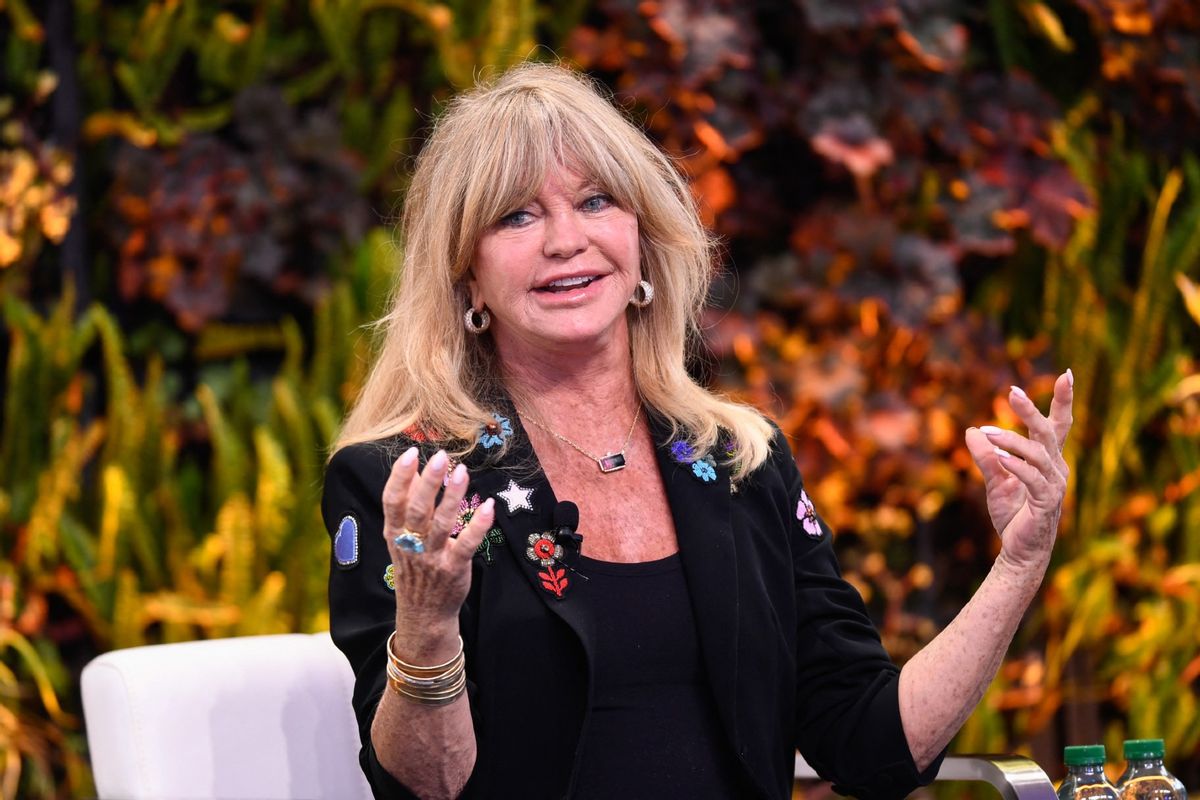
(432, 585)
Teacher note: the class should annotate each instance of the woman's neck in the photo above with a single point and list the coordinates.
(571, 391)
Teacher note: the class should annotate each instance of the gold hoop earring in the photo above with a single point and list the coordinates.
(485, 321)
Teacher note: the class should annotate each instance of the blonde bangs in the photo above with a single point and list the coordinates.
(520, 138)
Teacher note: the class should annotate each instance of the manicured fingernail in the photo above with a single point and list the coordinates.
(459, 476)
(1070, 378)
(439, 459)
(1019, 392)
(409, 457)
(991, 430)
(487, 505)
(1002, 453)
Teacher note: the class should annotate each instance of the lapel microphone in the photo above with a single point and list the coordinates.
(566, 520)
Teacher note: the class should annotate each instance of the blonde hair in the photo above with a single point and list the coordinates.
(488, 154)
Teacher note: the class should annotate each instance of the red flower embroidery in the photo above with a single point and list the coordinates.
(543, 548)
(416, 433)
(422, 435)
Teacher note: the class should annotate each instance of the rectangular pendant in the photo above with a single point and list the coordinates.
(611, 462)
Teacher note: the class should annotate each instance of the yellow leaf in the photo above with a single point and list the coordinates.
(230, 28)
(117, 501)
(1191, 295)
(55, 218)
(10, 249)
(1043, 20)
(119, 123)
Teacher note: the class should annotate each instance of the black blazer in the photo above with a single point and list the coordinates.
(791, 654)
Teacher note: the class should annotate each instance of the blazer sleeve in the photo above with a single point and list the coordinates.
(847, 703)
(362, 607)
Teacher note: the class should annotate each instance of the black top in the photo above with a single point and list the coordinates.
(652, 726)
(790, 655)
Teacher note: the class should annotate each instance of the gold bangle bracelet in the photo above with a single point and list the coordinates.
(412, 668)
(444, 701)
(436, 685)
(449, 667)
(442, 697)
(432, 682)
(442, 691)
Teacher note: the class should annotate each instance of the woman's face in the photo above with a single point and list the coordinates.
(557, 273)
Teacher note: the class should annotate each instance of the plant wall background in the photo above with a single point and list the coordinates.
(922, 202)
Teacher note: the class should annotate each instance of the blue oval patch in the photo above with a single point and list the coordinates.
(345, 542)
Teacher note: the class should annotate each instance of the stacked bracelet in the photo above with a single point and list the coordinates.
(432, 686)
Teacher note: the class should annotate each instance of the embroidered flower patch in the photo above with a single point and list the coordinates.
(451, 463)
(543, 548)
(683, 452)
(466, 509)
(494, 433)
(808, 516)
(416, 434)
(729, 446)
(705, 469)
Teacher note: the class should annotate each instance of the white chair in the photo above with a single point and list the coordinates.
(252, 718)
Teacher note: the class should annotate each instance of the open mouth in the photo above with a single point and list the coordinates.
(569, 284)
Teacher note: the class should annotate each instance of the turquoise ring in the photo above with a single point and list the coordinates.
(410, 542)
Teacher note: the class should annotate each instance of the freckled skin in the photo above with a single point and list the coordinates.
(941, 685)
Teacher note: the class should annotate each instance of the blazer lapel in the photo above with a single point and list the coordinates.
(700, 510)
(525, 505)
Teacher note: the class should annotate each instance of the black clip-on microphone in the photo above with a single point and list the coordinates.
(566, 520)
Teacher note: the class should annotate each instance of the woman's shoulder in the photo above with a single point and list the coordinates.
(372, 455)
(779, 450)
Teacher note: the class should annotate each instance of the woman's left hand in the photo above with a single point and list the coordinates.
(1026, 477)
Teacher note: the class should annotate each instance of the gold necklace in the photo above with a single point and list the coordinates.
(610, 462)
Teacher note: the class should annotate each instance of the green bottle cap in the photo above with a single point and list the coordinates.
(1083, 755)
(1144, 748)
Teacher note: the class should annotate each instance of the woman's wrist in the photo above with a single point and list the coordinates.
(424, 644)
(1023, 574)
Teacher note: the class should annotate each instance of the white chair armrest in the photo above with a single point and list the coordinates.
(1015, 777)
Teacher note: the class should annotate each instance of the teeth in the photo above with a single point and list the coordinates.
(565, 282)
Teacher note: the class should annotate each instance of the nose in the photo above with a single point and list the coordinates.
(565, 235)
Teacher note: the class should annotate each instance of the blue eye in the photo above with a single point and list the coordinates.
(597, 202)
(515, 219)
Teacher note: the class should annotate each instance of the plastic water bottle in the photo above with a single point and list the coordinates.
(1145, 777)
(1085, 775)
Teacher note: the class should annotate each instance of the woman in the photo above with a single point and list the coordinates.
(680, 626)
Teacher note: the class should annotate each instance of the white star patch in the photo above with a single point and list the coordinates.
(517, 498)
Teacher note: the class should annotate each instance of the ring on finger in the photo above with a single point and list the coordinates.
(410, 541)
